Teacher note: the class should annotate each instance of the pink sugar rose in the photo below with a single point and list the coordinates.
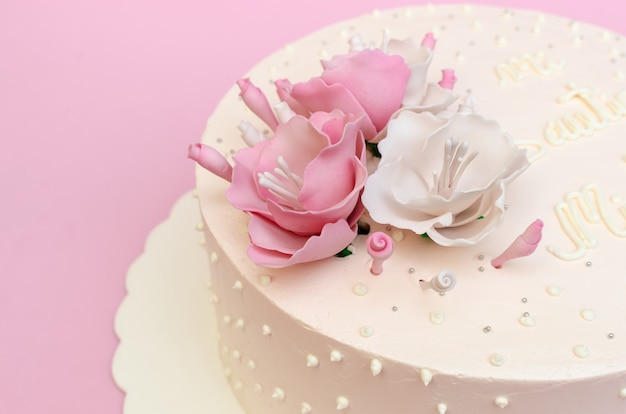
(368, 82)
(302, 189)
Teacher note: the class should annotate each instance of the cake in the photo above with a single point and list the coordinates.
(512, 302)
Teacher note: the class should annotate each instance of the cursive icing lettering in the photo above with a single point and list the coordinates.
(517, 68)
(597, 115)
(587, 205)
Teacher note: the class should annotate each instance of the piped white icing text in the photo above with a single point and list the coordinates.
(598, 113)
(517, 68)
(579, 206)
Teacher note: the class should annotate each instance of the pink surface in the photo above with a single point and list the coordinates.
(98, 103)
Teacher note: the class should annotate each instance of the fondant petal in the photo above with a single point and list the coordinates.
(333, 238)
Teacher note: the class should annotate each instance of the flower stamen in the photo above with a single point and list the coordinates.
(455, 162)
(284, 184)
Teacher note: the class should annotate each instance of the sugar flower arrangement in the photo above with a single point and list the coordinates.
(369, 133)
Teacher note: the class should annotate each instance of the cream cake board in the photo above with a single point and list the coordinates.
(167, 360)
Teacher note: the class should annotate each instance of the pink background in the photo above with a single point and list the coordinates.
(98, 102)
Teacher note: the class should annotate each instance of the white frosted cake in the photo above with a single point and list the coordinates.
(479, 216)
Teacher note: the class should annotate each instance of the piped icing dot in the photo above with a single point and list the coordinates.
(202, 242)
(342, 403)
(501, 402)
(238, 385)
(622, 393)
(426, 376)
(200, 226)
(236, 355)
(588, 314)
(215, 299)
(305, 408)
(554, 290)
(214, 257)
(238, 285)
(265, 280)
(437, 317)
(477, 25)
(366, 331)
(527, 320)
(442, 408)
(496, 359)
(239, 323)
(278, 394)
(360, 289)
(251, 365)
(227, 319)
(228, 372)
(258, 388)
(581, 351)
(397, 235)
(335, 356)
(501, 41)
(312, 361)
(266, 330)
(376, 367)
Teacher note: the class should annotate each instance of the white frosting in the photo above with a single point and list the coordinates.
(479, 348)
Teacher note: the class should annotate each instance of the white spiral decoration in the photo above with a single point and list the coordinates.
(441, 283)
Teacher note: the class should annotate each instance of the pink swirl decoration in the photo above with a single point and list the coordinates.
(380, 247)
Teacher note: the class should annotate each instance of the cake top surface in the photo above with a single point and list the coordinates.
(558, 87)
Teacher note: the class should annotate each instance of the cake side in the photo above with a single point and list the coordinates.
(549, 327)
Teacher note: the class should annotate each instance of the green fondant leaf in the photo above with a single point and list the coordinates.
(344, 253)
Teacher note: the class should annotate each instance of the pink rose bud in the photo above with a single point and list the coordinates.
(211, 160)
(255, 99)
(380, 247)
(524, 245)
(429, 41)
(448, 79)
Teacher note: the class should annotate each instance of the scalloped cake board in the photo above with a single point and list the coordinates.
(167, 360)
